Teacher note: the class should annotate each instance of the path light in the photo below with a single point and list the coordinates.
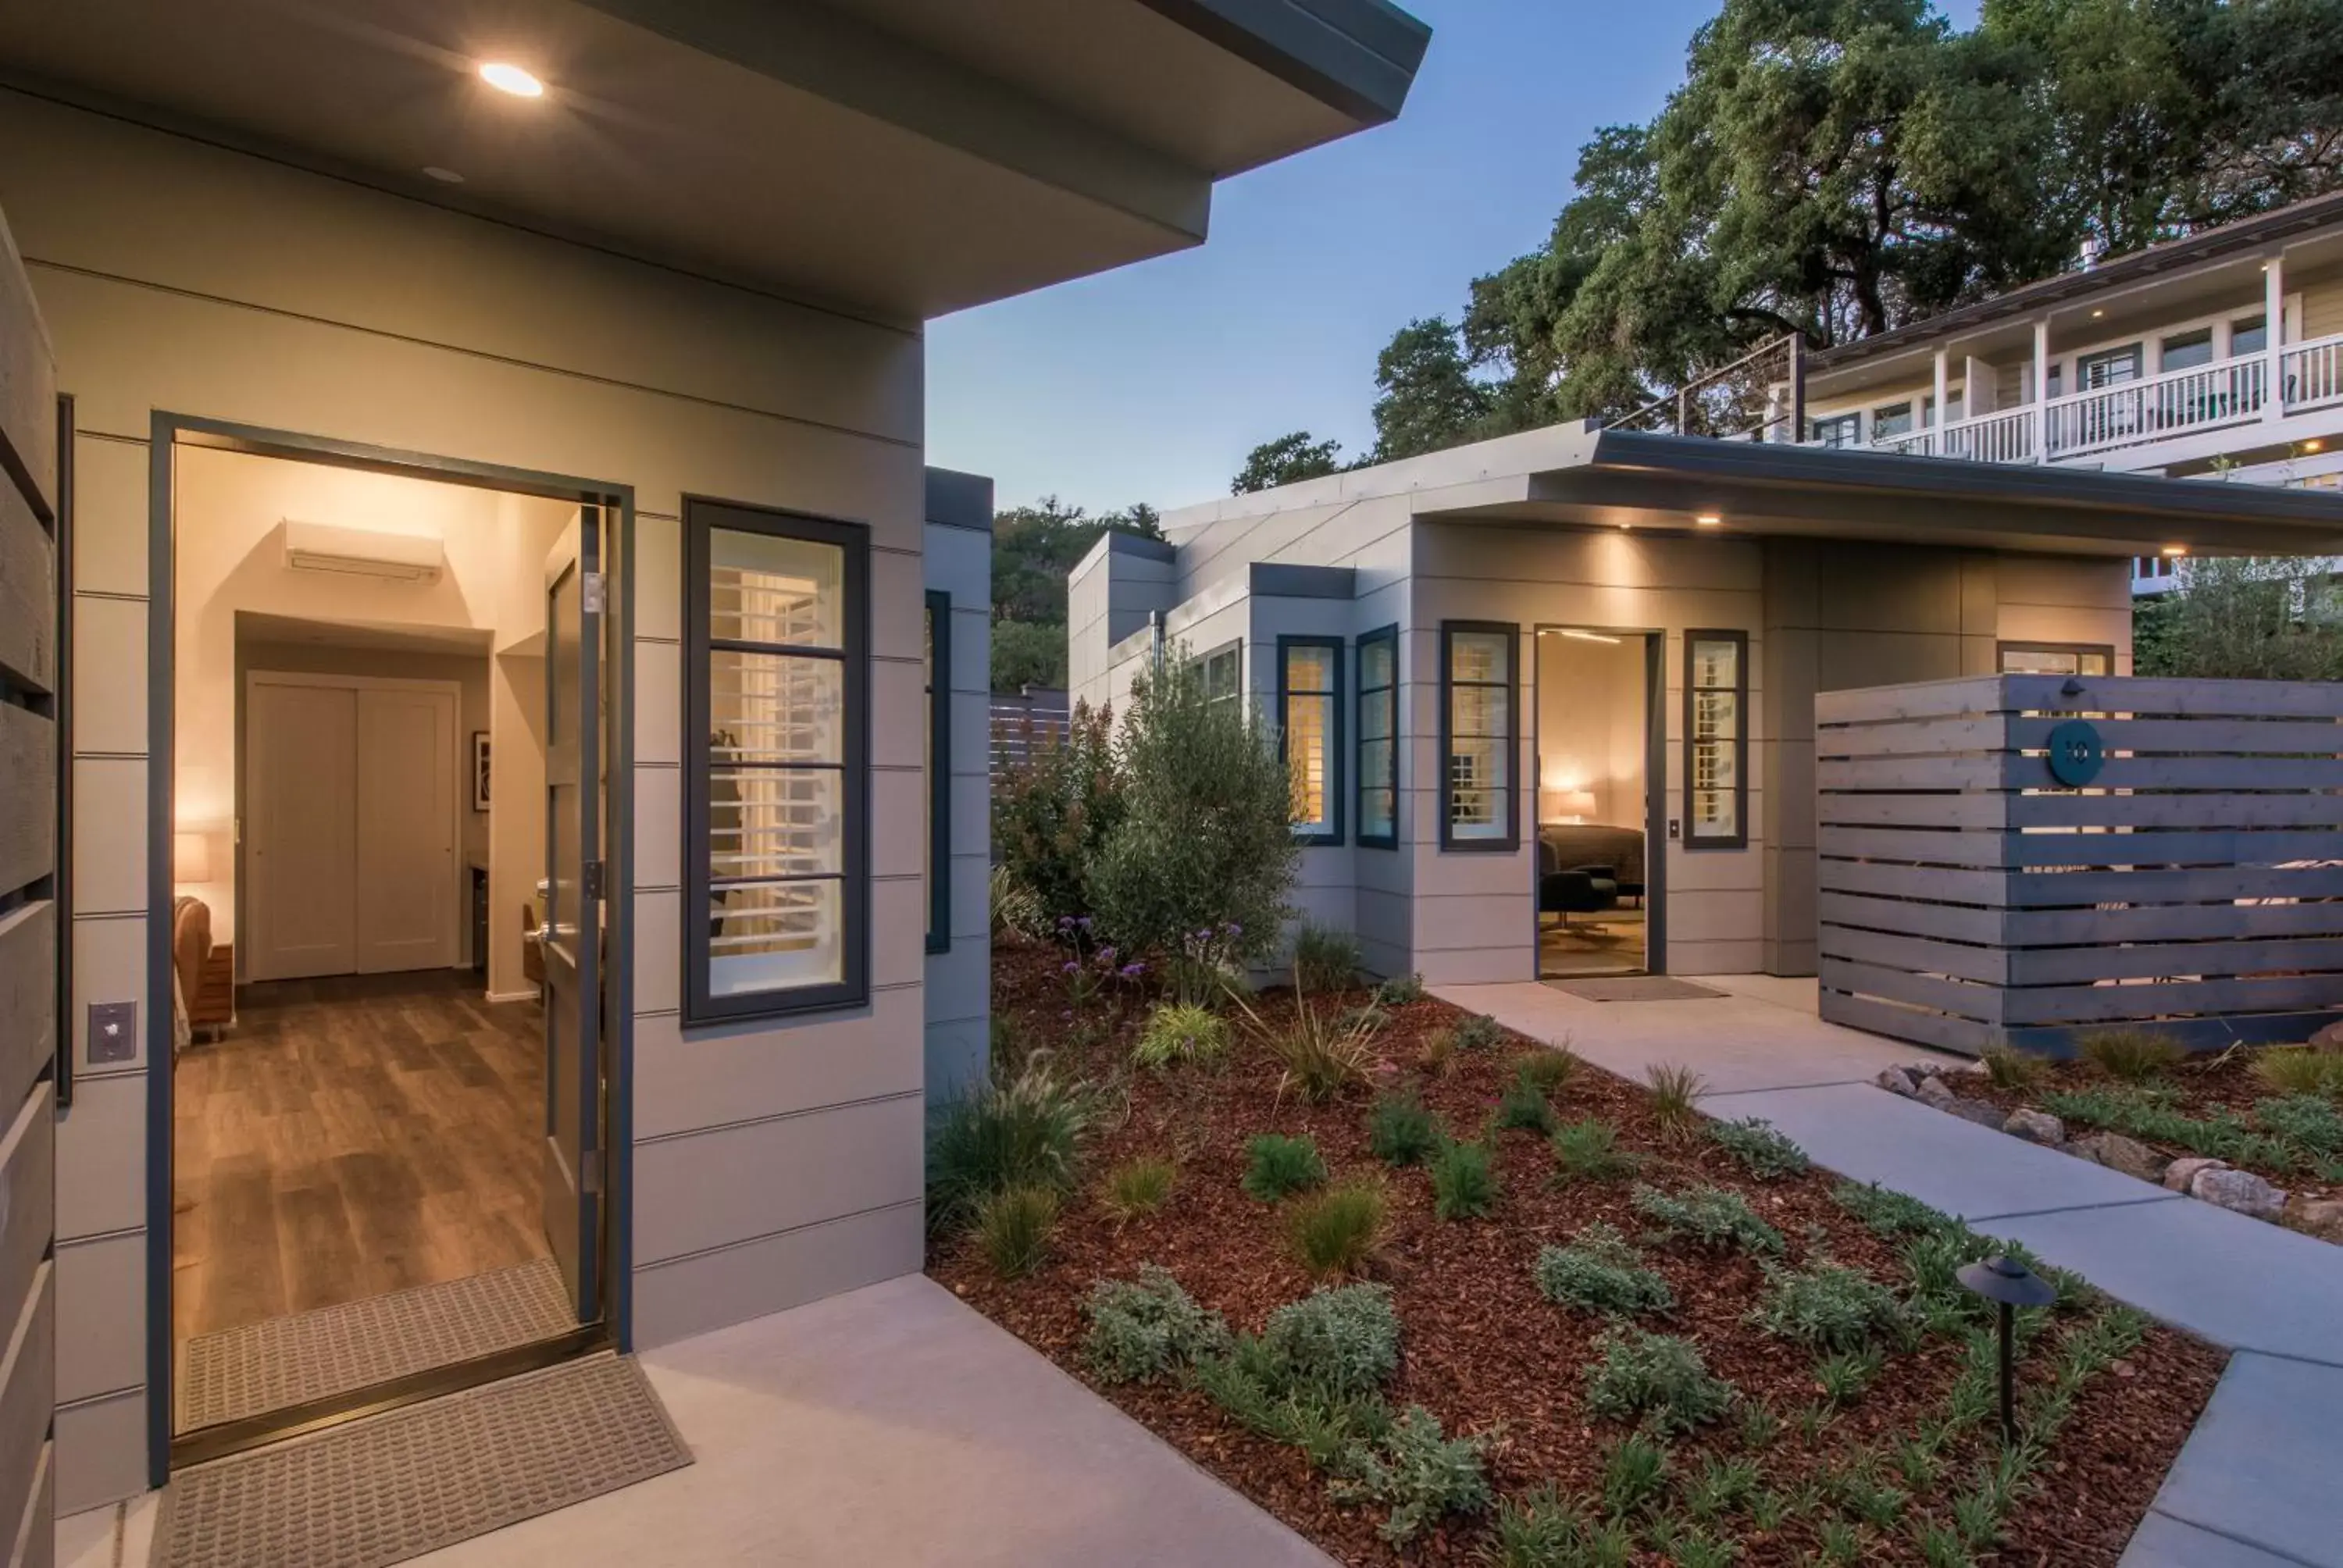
(2011, 1284)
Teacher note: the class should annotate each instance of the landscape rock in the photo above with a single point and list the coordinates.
(2116, 1152)
(1896, 1080)
(2240, 1192)
(2320, 1217)
(1975, 1110)
(2328, 1037)
(1932, 1090)
(2036, 1127)
(2180, 1172)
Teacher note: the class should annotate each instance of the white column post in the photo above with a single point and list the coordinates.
(1943, 384)
(2041, 390)
(2273, 335)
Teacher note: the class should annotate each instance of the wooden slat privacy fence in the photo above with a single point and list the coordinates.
(2185, 870)
(1023, 720)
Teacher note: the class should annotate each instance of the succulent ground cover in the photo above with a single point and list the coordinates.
(1636, 1339)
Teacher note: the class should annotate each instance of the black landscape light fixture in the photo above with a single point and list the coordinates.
(2010, 1285)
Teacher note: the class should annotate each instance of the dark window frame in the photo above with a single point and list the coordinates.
(701, 517)
(939, 678)
(1739, 838)
(1332, 835)
(1234, 649)
(2002, 650)
(2133, 354)
(1387, 637)
(1510, 841)
(1826, 429)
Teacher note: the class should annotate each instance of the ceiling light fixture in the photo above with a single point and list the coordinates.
(1587, 636)
(1708, 519)
(2097, 313)
(2313, 445)
(444, 176)
(2176, 551)
(508, 78)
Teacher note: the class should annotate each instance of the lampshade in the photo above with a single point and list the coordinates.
(191, 858)
(1557, 805)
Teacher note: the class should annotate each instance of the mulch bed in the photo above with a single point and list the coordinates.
(1481, 1347)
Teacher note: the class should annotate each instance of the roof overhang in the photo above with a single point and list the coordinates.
(903, 159)
(1613, 479)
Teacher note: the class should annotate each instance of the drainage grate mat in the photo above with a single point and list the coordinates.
(1635, 988)
(394, 1486)
(283, 1362)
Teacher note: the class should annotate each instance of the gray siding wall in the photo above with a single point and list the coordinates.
(958, 981)
(180, 277)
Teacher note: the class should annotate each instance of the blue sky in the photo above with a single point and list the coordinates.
(1151, 383)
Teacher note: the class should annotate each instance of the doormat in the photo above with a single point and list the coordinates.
(1635, 988)
(397, 1485)
(279, 1363)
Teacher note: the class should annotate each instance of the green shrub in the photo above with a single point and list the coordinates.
(1634, 1474)
(1324, 959)
(1764, 1152)
(1589, 1151)
(2305, 1120)
(1140, 1185)
(1475, 1031)
(1887, 1213)
(1657, 1378)
(1546, 1530)
(1828, 1306)
(1843, 1374)
(1550, 1067)
(1676, 1099)
(1021, 1132)
(1722, 1486)
(1148, 1328)
(1399, 991)
(1322, 1056)
(1601, 1273)
(1522, 1107)
(2134, 1054)
(1053, 815)
(1401, 1132)
(1180, 1032)
(1276, 1165)
(1463, 1181)
(1013, 1226)
(1418, 1472)
(1336, 1231)
(1341, 1342)
(2008, 1067)
(1010, 906)
(2300, 1070)
(1708, 1216)
(1203, 839)
(2152, 1111)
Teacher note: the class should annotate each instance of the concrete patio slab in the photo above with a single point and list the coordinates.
(1975, 1172)
(2237, 1282)
(2258, 1474)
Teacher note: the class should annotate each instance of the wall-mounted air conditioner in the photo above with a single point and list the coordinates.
(363, 552)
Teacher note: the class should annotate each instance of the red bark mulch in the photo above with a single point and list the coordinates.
(1481, 1347)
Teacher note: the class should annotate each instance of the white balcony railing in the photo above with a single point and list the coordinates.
(2312, 374)
(2176, 403)
(2008, 437)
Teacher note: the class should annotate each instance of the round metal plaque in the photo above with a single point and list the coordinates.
(2076, 753)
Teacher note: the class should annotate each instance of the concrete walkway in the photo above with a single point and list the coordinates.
(2257, 1484)
(888, 1425)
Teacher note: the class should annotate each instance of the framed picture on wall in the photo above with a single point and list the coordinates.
(479, 769)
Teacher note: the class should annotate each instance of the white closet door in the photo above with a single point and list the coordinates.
(300, 858)
(407, 899)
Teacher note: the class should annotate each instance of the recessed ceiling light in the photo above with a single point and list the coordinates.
(2176, 550)
(1707, 519)
(2313, 445)
(508, 78)
(2097, 313)
(444, 176)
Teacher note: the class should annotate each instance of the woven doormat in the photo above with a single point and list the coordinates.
(1635, 988)
(283, 1362)
(397, 1485)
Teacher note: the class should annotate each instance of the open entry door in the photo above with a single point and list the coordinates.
(571, 936)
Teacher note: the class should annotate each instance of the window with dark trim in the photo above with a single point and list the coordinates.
(1838, 430)
(1717, 739)
(776, 762)
(1378, 744)
(1476, 735)
(1223, 672)
(1310, 733)
(2057, 658)
(939, 760)
(2108, 367)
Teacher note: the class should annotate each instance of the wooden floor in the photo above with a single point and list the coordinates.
(1609, 943)
(352, 1136)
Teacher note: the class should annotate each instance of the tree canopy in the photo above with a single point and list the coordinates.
(1033, 549)
(1840, 168)
(1289, 458)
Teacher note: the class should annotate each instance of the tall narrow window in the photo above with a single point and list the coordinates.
(938, 835)
(1378, 672)
(1222, 671)
(1837, 430)
(1476, 735)
(1310, 719)
(776, 705)
(1717, 739)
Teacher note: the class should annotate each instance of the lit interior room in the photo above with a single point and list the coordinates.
(1593, 810)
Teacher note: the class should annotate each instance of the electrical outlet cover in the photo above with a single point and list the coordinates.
(113, 1032)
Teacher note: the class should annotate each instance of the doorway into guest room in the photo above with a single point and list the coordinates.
(1596, 724)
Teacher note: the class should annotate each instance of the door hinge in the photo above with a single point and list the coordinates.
(596, 591)
(590, 874)
(590, 1172)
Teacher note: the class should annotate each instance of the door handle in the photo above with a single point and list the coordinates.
(545, 887)
(545, 934)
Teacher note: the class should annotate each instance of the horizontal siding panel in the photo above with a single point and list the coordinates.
(36, 1537)
(27, 1394)
(1936, 1028)
(2298, 737)
(1981, 1003)
(2166, 922)
(28, 594)
(2159, 961)
(1923, 737)
(2288, 808)
(711, 1190)
(713, 1290)
(1952, 922)
(2014, 850)
(28, 398)
(2199, 884)
(28, 782)
(27, 1192)
(1924, 955)
(2116, 1003)
(1924, 700)
(28, 995)
(1914, 808)
(1890, 879)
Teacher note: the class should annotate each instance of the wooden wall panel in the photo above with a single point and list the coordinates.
(28, 797)
(28, 995)
(28, 595)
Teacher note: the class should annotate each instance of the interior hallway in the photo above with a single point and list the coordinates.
(351, 1136)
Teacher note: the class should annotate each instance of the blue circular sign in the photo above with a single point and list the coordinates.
(2076, 753)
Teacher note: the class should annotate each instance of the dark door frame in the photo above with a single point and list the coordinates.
(1655, 782)
(168, 432)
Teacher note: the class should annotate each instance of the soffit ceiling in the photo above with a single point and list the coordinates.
(719, 136)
